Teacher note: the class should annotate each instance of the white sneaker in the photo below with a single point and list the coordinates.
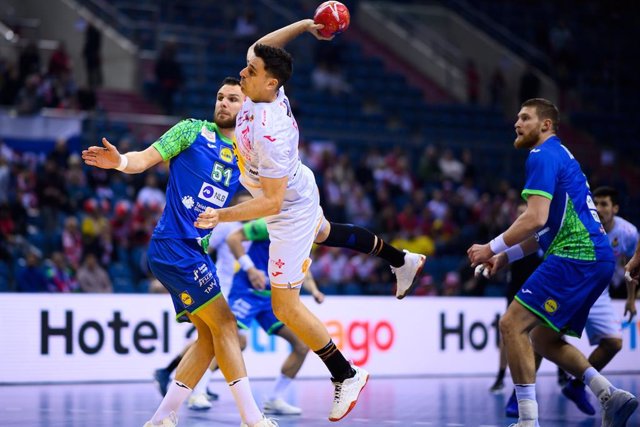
(280, 407)
(264, 422)
(407, 274)
(199, 402)
(170, 421)
(528, 423)
(618, 408)
(345, 395)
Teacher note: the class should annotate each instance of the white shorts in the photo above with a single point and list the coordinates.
(293, 231)
(602, 321)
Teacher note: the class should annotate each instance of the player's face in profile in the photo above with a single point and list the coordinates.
(606, 208)
(255, 82)
(527, 128)
(228, 103)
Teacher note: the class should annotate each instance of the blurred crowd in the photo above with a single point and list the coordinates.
(65, 227)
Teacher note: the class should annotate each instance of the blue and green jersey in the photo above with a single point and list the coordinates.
(203, 173)
(573, 229)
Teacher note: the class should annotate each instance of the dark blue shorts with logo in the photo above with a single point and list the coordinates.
(247, 304)
(186, 271)
(561, 291)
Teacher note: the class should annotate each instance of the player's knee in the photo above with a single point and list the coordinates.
(300, 348)
(282, 310)
(506, 325)
(611, 345)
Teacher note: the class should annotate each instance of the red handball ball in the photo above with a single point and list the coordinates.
(334, 16)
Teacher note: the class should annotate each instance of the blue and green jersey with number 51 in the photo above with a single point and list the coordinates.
(203, 173)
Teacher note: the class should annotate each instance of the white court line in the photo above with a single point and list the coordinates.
(391, 422)
(423, 423)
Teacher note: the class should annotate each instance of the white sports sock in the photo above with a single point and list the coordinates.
(176, 395)
(599, 385)
(201, 387)
(280, 386)
(245, 402)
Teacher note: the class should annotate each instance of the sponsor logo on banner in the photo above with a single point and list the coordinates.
(476, 334)
(214, 195)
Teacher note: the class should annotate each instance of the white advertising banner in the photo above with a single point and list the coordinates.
(58, 338)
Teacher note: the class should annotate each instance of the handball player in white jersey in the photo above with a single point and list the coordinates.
(286, 195)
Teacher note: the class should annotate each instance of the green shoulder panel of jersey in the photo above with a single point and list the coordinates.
(178, 138)
(256, 230)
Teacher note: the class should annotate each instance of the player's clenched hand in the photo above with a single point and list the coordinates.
(632, 269)
(318, 296)
(313, 29)
(106, 157)
(207, 219)
(479, 253)
(257, 278)
(630, 307)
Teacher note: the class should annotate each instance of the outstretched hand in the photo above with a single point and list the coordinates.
(106, 157)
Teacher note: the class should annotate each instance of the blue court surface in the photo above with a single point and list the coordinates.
(445, 402)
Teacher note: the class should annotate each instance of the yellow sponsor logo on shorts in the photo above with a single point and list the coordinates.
(550, 306)
(227, 155)
(186, 299)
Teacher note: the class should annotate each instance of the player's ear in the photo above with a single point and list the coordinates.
(272, 84)
(615, 209)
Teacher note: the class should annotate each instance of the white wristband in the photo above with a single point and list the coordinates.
(245, 262)
(124, 161)
(497, 245)
(514, 253)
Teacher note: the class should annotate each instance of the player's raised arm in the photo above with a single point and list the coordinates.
(280, 38)
(108, 157)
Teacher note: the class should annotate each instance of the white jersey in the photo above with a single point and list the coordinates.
(225, 261)
(267, 142)
(624, 239)
(267, 146)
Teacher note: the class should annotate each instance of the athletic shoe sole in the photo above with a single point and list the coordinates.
(423, 259)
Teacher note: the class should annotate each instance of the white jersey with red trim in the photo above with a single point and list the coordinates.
(267, 142)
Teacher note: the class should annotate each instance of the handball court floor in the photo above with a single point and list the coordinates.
(438, 402)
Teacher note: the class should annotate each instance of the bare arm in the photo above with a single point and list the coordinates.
(108, 157)
(267, 204)
(280, 38)
(529, 222)
(521, 230)
(309, 283)
(257, 277)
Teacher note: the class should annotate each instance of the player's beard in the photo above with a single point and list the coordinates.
(224, 123)
(527, 141)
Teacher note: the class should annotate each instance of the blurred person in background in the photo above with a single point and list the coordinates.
(92, 278)
(31, 278)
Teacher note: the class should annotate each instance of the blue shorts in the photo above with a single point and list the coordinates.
(186, 271)
(561, 291)
(247, 305)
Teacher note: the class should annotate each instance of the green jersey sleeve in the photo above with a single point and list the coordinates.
(178, 138)
(256, 230)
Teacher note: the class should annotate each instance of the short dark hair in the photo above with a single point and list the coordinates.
(278, 63)
(231, 81)
(610, 192)
(545, 109)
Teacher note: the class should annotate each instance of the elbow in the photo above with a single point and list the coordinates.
(275, 207)
(539, 221)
